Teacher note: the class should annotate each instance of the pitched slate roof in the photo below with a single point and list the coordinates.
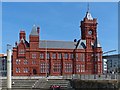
(61, 44)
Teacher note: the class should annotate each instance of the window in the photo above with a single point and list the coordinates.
(82, 68)
(89, 68)
(48, 55)
(77, 68)
(99, 71)
(17, 61)
(43, 67)
(99, 66)
(98, 57)
(76, 56)
(33, 62)
(59, 55)
(90, 57)
(25, 70)
(47, 68)
(41, 56)
(66, 55)
(71, 56)
(68, 67)
(21, 51)
(82, 57)
(95, 68)
(54, 56)
(105, 67)
(25, 61)
(33, 55)
(56, 67)
(17, 70)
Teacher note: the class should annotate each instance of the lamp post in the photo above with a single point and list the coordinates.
(9, 52)
(74, 60)
(46, 59)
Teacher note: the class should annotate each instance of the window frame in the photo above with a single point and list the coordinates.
(34, 55)
(42, 55)
(66, 56)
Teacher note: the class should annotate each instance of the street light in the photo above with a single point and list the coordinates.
(46, 56)
(46, 60)
(74, 53)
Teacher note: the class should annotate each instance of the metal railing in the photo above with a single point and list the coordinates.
(93, 77)
(74, 76)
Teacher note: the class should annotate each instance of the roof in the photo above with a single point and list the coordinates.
(34, 31)
(89, 16)
(61, 44)
(112, 56)
(24, 41)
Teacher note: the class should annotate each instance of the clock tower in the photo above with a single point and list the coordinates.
(93, 51)
(88, 29)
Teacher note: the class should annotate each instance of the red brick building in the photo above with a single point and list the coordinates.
(42, 57)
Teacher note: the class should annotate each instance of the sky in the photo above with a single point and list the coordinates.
(59, 21)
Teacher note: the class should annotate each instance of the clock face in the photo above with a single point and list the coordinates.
(90, 32)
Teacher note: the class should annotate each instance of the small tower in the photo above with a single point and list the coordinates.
(34, 38)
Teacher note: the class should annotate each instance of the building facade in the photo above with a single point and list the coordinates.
(3, 65)
(105, 66)
(38, 57)
(113, 63)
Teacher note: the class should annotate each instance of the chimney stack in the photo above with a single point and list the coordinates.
(22, 35)
(38, 30)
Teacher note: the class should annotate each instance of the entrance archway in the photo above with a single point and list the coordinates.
(34, 71)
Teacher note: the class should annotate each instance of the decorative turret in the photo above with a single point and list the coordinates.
(34, 31)
(34, 37)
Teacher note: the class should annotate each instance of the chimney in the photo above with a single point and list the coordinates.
(22, 35)
(38, 30)
(16, 43)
